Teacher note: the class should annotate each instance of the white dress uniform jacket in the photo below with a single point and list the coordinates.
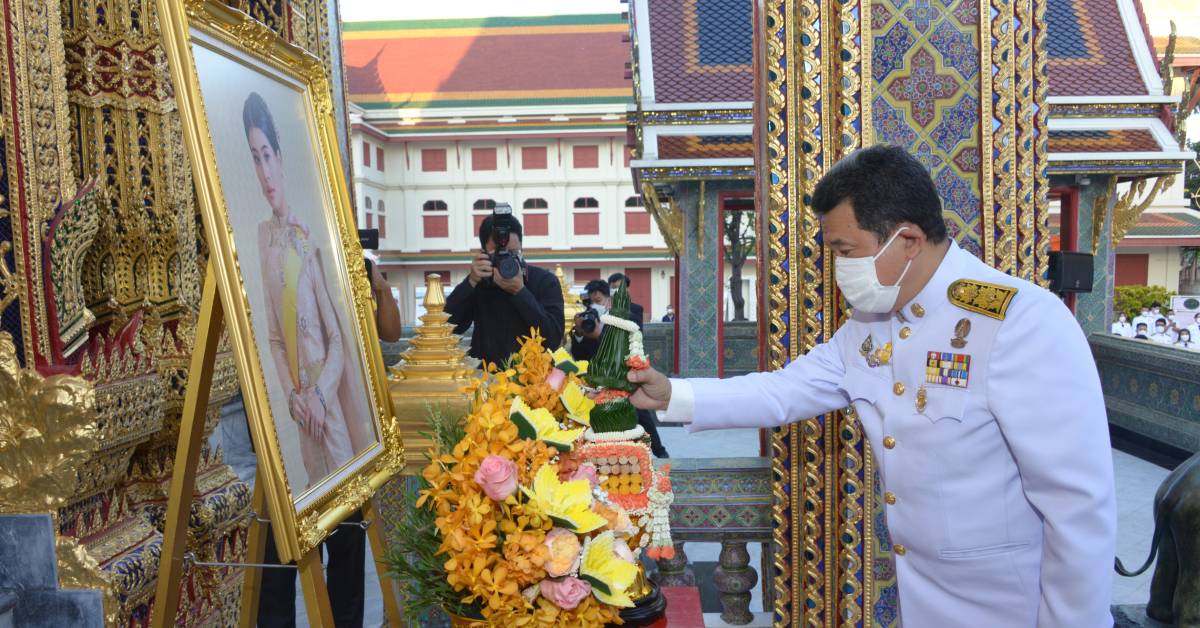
(993, 449)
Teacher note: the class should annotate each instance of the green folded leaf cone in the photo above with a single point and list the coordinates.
(607, 368)
(614, 416)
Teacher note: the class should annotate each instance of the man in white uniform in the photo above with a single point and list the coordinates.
(980, 398)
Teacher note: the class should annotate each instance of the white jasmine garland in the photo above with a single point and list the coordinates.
(614, 437)
(620, 323)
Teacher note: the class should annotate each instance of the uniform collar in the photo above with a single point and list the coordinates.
(933, 295)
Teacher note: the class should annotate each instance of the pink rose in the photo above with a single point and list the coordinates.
(586, 471)
(566, 593)
(497, 477)
(556, 378)
(564, 552)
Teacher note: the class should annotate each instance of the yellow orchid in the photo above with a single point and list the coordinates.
(609, 575)
(540, 424)
(567, 504)
(578, 405)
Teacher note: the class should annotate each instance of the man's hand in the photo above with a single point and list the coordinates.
(481, 268)
(511, 286)
(595, 335)
(654, 392)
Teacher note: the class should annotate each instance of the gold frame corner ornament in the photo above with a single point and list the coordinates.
(186, 23)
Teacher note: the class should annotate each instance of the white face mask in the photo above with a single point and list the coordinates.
(1122, 319)
(600, 308)
(858, 279)
(1161, 329)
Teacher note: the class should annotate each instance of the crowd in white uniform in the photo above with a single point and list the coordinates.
(1156, 326)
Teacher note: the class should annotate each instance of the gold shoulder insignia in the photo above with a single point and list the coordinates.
(981, 297)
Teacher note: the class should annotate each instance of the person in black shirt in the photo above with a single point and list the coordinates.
(503, 310)
(584, 345)
(596, 297)
(637, 313)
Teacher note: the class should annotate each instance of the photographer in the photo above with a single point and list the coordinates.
(585, 334)
(585, 341)
(504, 308)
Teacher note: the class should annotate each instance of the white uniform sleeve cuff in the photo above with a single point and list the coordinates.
(682, 404)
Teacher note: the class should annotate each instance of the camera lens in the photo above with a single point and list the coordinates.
(509, 267)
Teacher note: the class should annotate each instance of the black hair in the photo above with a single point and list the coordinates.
(596, 285)
(619, 277)
(485, 229)
(1139, 325)
(1161, 320)
(885, 186)
(256, 115)
(1156, 304)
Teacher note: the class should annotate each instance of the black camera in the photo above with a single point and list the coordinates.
(589, 318)
(508, 263)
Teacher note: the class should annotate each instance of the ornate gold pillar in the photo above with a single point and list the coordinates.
(959, 84)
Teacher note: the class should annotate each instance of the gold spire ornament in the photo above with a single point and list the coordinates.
(432, 371)
(571, 305)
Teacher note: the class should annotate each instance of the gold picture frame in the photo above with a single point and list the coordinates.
(296, 279)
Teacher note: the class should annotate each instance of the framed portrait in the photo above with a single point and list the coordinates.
(258, 122)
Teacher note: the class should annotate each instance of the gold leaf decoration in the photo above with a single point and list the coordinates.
(47, 425)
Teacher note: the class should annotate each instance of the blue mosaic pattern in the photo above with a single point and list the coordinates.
(890, 125)
(699, 351)
(1093, 309)
(890, 50)
(10, 317)
(925, 64)
(725, 32)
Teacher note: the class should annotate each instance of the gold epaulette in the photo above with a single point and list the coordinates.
(984, 298)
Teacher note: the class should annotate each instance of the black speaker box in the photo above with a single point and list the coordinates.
(1070, 272)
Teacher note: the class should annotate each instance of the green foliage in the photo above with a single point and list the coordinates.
(1131, 299)
(412, 557)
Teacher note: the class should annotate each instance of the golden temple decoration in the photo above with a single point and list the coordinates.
(47, 425)
(1128, 207)
(78, 569)
(432, 371)
(668, 219)
(571, 305)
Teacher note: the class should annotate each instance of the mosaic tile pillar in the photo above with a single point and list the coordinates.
(1093, 309)
(699, 327)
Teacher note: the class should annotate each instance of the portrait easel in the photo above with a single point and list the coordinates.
(183, 483)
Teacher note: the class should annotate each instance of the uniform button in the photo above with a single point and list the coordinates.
(898, 388)
(889, 497)
(917, 310)
(889, 442)
(905, 333)
(899, 549)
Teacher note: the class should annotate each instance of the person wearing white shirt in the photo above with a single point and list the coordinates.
(980, 399)
(1194, 328)
(1145, 317)
(1121, 326)
(1185, 340)
(1161, 333)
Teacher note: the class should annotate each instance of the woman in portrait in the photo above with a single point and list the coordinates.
(306, 340)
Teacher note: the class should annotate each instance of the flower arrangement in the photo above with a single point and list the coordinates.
(535, 525)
